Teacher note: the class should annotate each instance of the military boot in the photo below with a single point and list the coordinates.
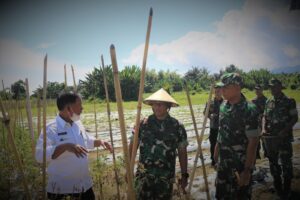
(286, 194)
(278, 185)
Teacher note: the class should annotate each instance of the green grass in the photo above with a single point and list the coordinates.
(180, 97)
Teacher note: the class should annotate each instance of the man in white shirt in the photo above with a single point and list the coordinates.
(66, 151)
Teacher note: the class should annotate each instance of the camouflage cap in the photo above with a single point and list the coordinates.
(218, 85)
(231, 78)
(258, 87)
(275, 82)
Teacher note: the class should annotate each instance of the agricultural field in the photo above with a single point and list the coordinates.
(101, 166)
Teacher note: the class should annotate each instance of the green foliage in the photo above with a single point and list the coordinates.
(93, 85)
(130, 82)
(18, 90)
(198, 79)
(11, 186)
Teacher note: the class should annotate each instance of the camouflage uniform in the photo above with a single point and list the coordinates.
(279, 112)
(213, 114)
(159, 140)
(260, 103)
(237, 123)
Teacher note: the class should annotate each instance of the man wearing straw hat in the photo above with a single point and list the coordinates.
(66, 151)
(161, 137)
(280, 116)
(213, 115)
(237, 141)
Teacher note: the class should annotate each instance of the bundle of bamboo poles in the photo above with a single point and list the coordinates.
(130, 193)
(141, 91)
(44, 127)
(199, 141)
(110, 128)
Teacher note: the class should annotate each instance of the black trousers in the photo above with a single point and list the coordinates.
(87, 195)
(213, 134)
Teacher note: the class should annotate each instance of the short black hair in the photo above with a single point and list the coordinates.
(65, 99)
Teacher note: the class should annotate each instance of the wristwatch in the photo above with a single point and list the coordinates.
(186, 175)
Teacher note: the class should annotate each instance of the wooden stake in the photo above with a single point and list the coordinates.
(65, 73)
(141, 91)
(11, 140)
(74, 81)
(3, 86)
(95, 120)
(44, 126)
(110, 128)
(39, 113)
(29, 116)
(131, 194)
(199, 140)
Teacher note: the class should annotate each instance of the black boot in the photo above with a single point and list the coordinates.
(278, 185)
(286, 188)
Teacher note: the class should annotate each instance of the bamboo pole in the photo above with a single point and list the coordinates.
(11, 140)
(44, 126)
(199, 140)
(131, 194)
(21, 113)
(95, 120)
(29, 116)
(65, 73)
(110, 128)
(141, 91)
(39, 113)
(3, 86)
(74, 81)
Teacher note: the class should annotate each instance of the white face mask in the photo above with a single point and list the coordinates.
(75, 117)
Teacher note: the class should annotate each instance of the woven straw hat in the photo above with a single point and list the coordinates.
(161, 95)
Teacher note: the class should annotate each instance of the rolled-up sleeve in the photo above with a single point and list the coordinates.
(50, 146)
(252, 122)
(90, 141)
(182, 142)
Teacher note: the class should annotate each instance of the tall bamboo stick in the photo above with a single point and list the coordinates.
(95, 119)
(29, 116)
(74, 81)
(11, 140)
(44, 126)
(141, 91)
(110, 128)
(199, 140)
(3, 86)
(131, 194)
(39, 113)
(65, 73)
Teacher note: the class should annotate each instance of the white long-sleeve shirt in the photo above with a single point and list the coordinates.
(67, 173)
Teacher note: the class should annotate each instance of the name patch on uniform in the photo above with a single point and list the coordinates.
(62, 133)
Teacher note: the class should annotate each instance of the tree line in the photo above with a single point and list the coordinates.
(198, 79)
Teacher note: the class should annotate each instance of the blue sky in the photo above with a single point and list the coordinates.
(251, 34)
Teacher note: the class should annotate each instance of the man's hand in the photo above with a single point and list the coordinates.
(244, 178)
(107, 146)
(77, 149)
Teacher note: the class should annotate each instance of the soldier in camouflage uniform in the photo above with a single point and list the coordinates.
(213, 115)
(280, 116)
(161, 137)
(237, 141)
(260, 102)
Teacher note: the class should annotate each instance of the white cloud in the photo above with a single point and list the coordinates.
(18, 62)
(256, 36)
(46, 45)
